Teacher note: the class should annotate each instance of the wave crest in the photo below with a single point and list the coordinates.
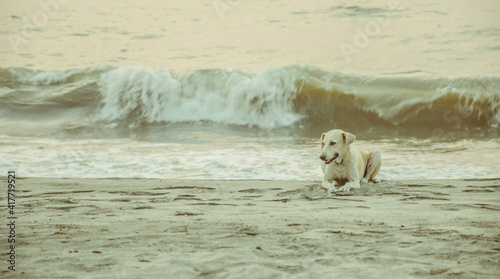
(287, 96)
(137, 94)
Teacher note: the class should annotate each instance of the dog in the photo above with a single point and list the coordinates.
(345, 163)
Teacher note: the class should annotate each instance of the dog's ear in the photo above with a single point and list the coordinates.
(321, 140)
(348, 137)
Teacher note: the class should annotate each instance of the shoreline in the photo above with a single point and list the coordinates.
(161, 228)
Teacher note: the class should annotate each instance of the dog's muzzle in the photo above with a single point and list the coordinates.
(323, 157)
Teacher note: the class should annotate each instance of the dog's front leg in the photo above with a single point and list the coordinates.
(329, 186)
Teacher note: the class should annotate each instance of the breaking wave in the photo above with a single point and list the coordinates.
(289, 96)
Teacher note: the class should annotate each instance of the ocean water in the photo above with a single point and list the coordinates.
(243, 89)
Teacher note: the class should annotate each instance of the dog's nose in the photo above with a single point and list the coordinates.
(322, 157)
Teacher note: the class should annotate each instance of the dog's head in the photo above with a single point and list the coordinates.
(335, 145)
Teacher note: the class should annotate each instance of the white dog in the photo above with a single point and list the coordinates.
(344, 163)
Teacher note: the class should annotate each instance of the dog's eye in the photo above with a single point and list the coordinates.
(332, 143)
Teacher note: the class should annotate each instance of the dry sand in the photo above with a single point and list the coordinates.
(151, 228)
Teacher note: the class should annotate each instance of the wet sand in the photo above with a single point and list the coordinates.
(153, 228)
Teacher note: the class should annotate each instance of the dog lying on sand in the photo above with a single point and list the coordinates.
(346, 164)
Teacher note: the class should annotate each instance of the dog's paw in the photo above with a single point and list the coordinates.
(326, 185)
(329, 186)
(375, 180)
(364, 181)
(345, 188)
(349, 185)
(331, 190)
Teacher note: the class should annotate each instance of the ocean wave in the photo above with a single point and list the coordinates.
(137, 94)
(18, 76)
(289, 96)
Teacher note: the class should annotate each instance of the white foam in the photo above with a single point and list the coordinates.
(243, 160)
(34, 77)
(39, 77)
(226, 97)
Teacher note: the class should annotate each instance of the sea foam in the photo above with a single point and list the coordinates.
(220, 96)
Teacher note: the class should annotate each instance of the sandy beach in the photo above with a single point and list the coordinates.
(107, 106)
(152, 228)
